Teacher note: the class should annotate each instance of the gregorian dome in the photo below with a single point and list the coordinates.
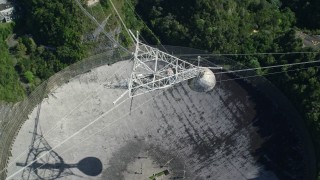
(204, 82)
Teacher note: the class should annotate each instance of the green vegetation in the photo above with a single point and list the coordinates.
(248, 26)
(57, 25)
(48, 37)
(10, 87)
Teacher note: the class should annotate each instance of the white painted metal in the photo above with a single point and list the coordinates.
(154, 69)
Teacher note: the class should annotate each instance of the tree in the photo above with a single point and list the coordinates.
(21, 49)
(28, 75)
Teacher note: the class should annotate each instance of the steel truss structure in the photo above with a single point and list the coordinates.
(154, 69)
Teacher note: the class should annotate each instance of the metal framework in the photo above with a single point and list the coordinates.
(154, 69)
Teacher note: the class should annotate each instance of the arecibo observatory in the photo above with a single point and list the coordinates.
(134, 110)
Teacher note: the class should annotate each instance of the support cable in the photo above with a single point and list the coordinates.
(145, 25)
(250, 54)
(269, 67)
(64, 117)
(99, 25)
(267, 74)
(121, 20)
(67, 139)
(83, 128)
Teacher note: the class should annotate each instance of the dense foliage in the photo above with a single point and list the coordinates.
(248, 26)
(10, 87)
(49, 38)
(56, 24)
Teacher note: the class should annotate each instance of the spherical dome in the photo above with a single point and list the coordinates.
(204, 82)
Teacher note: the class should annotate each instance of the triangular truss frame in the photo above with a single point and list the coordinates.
(154, 69)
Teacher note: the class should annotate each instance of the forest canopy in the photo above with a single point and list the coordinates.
(45, 38)
(10, 87)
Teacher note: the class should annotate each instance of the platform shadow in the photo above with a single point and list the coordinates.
(42, 162)
(90, 166)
